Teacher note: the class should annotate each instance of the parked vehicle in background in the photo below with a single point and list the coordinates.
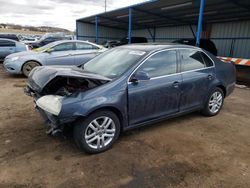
(123, 41)
(9, 36)
(28, 39)
(46, 39)
(65, 52)
(8, 46)
(127, 87)
(110, 43)
(205, 44)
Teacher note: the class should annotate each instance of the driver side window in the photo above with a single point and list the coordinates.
(85, 46)
(160, 64)
(63, 47)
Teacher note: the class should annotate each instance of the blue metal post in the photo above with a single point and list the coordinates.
(129, 25)
(199, 30)
(96, 29)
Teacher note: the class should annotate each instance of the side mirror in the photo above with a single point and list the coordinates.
(49, 50)
(140, 75)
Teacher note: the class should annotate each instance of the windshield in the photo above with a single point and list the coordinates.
(114, 63)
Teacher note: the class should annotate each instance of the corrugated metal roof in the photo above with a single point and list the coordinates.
(161, 13)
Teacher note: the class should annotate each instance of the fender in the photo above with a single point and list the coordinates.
(83, 108)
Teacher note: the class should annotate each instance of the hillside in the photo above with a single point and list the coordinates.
(12, 28)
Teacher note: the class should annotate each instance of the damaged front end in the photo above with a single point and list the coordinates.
(55, 88)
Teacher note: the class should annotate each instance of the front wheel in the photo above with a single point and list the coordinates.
(214, 103)
(28, 66)
(98, 132)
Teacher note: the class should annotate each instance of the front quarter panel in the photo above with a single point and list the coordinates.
(105, 96)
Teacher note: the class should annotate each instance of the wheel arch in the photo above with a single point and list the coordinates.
(113, 109)
(223, 88)
(29, 61)
(216, 85)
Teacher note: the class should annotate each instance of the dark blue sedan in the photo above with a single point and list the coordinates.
(127, 87)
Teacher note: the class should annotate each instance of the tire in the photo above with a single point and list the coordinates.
(92, 130)
(28, 66)
(214, 102)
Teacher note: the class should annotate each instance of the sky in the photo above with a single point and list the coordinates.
(56, 13)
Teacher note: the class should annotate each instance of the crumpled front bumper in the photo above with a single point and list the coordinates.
(51, 121)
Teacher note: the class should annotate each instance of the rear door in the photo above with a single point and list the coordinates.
(197, 76)
(160, 95)
(61, 54)
(84, 52)
(6, 47)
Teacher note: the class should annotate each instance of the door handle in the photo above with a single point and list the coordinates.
(209, 77)
(176, 84)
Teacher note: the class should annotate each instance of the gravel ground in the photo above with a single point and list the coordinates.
(189, 151)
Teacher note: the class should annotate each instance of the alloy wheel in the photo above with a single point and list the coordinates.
(100, 132)
(215, 102)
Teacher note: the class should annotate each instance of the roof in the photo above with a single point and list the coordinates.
(8, 39)
(162, 13)
(149, 47)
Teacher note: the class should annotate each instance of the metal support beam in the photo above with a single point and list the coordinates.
(76, 30)
(160, 15)
(191, 28)
(129, 25)
(237, 3)
(151, 34)
(121, 21)
(96, 29)
(199, 30)
(154, 34)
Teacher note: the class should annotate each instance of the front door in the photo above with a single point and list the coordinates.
(84, 52)
(61, 54)
(159, 96)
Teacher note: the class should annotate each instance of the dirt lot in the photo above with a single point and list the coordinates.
(191, 151)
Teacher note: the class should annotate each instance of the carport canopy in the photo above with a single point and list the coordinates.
(165, 13)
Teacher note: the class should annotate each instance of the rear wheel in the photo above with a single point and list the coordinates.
(28, 66)
(214, 103)
(98, 132)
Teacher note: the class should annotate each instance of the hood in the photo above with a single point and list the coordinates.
(20, 54)
(40, 76)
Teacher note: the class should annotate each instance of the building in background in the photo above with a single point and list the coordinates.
(225, 22)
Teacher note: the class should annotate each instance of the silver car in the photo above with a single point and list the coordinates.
(9, 46)
(64, 52)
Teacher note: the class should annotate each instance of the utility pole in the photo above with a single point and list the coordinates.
(105, 5)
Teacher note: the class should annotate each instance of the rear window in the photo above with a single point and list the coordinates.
(191, 60)
(207, 60)
(85, 46)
